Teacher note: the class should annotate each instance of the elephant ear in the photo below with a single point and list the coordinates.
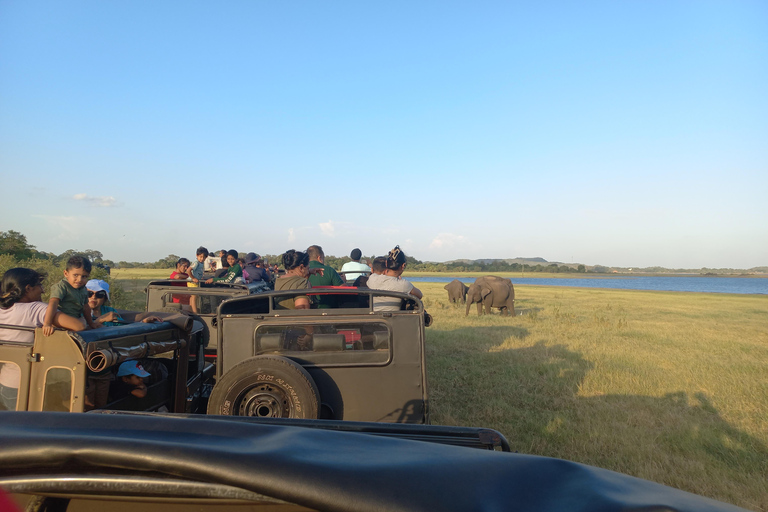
(485, 291)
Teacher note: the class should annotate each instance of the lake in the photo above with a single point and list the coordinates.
(707, 284)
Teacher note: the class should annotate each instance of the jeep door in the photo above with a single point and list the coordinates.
(14, 361)
(57, 376)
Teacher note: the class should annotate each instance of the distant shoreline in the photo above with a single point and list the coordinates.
(569, 275)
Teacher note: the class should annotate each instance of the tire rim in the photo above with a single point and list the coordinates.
(265, 401)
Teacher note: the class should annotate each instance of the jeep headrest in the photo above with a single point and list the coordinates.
(328, 342)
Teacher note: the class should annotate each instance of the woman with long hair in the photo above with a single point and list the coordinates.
(20, 293)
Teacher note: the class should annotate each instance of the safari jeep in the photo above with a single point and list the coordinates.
(201, 302)
(343, 361)
(53, 374)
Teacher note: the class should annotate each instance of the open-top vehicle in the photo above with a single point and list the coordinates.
(52, 370)
(346, 361)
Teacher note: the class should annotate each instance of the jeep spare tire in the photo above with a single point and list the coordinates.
(266, 386)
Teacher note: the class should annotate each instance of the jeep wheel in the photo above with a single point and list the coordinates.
(266, 386)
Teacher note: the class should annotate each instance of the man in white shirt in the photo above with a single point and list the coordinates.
(352, 269)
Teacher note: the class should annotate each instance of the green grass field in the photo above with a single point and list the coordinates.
(667, 386)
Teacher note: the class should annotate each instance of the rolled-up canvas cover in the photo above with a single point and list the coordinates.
(104, 358)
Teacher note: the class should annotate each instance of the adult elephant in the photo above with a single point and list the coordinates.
(491, 292)
(457, 291)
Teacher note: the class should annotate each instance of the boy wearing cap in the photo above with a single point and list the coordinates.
(130, 380)
(254, 272)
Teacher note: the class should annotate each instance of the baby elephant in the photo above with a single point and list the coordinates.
(491, 292)
(457, 291)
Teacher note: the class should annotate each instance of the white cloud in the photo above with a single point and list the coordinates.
(291, 235)
(327, 228)
(102, 201)
(444, 240)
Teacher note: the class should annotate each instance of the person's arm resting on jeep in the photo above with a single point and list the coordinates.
(53, 308)
(89, 317)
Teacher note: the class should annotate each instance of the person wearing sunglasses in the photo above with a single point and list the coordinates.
(97, 386)
(98, 295)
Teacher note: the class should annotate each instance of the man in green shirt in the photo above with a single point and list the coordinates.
(328, 277)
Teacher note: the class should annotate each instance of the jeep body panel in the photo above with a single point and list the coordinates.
(53, 369)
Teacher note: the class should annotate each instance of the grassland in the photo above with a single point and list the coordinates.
(667, 386)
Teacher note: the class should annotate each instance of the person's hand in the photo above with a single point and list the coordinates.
(304, 342)
(48, 329)
(195, 280)
(109, 317)
(209, 281)
(152, 319)
(316, 271)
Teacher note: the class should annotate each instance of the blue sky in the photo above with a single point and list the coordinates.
(616, 133)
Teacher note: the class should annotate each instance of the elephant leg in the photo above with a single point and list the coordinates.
(511, 306)
(488, 308)
(479, 308)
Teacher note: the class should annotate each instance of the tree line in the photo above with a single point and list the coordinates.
(15, 249)
(14, 244)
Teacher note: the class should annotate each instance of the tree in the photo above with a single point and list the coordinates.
(167, 262)
(94, 256)
(14, 243)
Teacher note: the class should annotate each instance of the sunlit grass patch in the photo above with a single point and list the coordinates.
(668, 386)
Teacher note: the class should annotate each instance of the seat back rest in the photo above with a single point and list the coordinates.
(270, 342)
(328, 342)
(380, 339)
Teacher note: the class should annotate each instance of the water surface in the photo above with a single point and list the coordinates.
(708, 284)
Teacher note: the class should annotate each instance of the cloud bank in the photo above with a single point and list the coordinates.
(102, 201)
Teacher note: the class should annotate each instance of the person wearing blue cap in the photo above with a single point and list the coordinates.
(130, 377)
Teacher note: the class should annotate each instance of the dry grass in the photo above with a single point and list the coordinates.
(667, 386)
(131, 283)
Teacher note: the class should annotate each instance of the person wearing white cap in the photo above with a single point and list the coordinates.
(98, 294)
(130, 380)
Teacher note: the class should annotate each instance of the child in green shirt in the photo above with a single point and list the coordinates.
(69, 295)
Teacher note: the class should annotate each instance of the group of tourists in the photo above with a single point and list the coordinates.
(308, 269)
(78, 302)
(302, 270)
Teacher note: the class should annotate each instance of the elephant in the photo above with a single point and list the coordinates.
(457, 291)
(493, 292)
